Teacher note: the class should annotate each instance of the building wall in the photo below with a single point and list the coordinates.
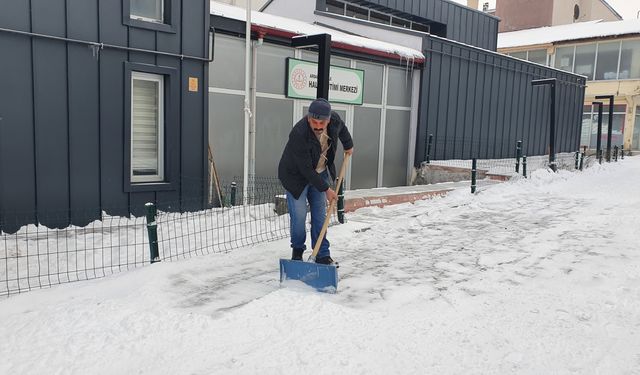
(477, 104)
(461, 23)
(563, 12)
(524, 14)
(62, 110)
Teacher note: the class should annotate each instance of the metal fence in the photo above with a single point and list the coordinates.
(37, 257)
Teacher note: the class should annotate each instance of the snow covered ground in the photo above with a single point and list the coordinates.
(536, 276)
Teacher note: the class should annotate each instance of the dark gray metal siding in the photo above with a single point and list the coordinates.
(62, 110)
(478, 103)
(463, 24)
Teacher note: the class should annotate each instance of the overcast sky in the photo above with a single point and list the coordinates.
(628, 9)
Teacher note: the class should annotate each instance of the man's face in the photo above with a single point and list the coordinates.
(317, 126)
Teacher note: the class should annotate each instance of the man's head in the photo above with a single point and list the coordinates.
(319, 114)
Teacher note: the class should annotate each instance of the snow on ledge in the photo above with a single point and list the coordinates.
(303, 28)
(575, 31)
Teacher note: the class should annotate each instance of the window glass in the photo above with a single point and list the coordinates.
(227, 68)
(271, 68)
(334, 6)
(538, 56)
(564, 58)
(519, 55)
(635, 144)
(399, 87)
(395, 148)
(273, 124)
(607, 67)
(379, 18)
(399, 22)
(585, 58)
(587, 124)
(146, 127)
(148, 10)
(373, 74)
(420, 27)
(226, 134)
(619, 113)
(357, 12)
(366, 129)
(338, 61)
(630, 60)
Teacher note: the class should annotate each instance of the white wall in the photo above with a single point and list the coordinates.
(301, 10)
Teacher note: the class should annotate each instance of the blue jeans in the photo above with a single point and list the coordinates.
(298, 215)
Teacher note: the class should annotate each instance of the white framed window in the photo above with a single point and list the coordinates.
(147, 127)
(147, 10)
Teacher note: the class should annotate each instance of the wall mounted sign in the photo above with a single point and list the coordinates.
(345, 85)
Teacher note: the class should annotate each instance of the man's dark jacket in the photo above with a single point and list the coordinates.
(300, 157)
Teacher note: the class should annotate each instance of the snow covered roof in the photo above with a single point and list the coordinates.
(574, 31)
(302, 28)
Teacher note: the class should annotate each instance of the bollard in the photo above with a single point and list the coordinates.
(429, 143)
(341, 204)
(615, 153)
(234, 191)
(524, 166)
(518, 155)
(473, 175)
(622, 152)
(152, 231)
(582, 156)
(577, 157)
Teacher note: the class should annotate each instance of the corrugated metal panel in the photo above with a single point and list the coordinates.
(478, 103)
(62, 110)
(463, 24)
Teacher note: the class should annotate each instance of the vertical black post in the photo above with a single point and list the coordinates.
(622, 151)
(518, 155)
(552, 121)
(577, 158)
(152, 232)
(341, 204)
(599, 139)
(610, 129)
(524, 166)
(234, 192)
(615, 153)
(323, 42)
(429, 143)
(474, 163)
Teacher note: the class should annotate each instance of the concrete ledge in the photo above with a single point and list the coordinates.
(353, 204)
(498, 177)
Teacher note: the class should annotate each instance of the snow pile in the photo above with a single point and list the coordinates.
(303, 28)
(533, 276)
(575, 31)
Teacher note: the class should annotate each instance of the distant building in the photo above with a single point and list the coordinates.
(526, 14)
(607, 53)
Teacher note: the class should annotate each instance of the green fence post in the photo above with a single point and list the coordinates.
(152, 231)
(234, 192)
(524, 166)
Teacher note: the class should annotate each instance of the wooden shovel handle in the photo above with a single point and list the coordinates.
(343, 168)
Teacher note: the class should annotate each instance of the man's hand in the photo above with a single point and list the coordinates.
(331, 195)
(349, 151)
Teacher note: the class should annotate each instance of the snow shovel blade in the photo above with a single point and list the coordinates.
(322, 277)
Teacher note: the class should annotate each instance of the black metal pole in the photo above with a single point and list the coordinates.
(323, 42)
(552, 121)
(610, 129)
(473, 175)
(429, 143)
(518, 155)
(524, 166)
(599, 139)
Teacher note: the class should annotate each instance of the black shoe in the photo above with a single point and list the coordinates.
(296, 254)
(327, 260)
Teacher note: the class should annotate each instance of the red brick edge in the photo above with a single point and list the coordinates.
(353, 204)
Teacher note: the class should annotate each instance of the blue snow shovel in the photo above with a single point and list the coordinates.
(319, 276)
